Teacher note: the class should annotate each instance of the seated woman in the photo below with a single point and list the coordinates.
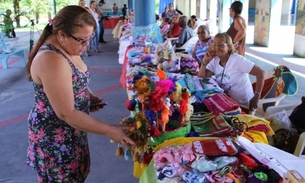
(232, 71)
(193, 23)
(203, 43)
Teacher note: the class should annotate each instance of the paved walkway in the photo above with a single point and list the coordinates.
(16, 98)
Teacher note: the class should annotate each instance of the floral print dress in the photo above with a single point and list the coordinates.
(57, 151)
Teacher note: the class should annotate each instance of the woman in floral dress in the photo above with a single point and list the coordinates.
(59, 121)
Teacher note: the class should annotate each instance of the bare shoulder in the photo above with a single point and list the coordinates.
(240, 20)
(49, 59)
(48, 63)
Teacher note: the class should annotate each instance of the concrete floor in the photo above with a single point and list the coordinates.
(16, 98)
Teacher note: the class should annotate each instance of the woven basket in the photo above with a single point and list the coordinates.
(180, 130)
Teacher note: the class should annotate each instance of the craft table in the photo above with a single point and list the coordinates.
(111, 23)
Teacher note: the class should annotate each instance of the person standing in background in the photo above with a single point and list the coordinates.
(237, 30)
(171, 12)
(115, 9)
(164, 14)
(102, 30)
(94, 42)
(124, 11)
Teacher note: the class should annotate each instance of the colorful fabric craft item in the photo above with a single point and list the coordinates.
(193, 177)
(141, 34)
(176, 155)
(212, 126)
(247, 161)
(221, 146)
(189, 65)
(167, 171)
(252, 179)
(220, 103)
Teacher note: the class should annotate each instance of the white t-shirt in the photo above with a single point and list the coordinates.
(100, 8)
(95, 16)
(234, 77)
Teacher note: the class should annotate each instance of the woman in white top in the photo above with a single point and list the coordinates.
(94, 42)
(232, 72)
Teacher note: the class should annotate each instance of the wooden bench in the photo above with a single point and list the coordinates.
(6, 51)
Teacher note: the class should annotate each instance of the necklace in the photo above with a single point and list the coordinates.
(223, 71)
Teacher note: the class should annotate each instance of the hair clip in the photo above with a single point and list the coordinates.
(50, 22)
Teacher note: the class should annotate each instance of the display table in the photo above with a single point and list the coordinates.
(111, 23)
(272, 157)
(138, 76)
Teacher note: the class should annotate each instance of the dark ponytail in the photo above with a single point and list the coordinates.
(47, 31)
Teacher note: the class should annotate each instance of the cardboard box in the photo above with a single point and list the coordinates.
(295, 177)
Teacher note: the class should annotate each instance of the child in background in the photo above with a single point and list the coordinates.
(166, 26)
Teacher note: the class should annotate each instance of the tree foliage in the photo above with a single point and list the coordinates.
(33, 9)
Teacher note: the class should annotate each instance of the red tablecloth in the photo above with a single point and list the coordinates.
(123, 74)
(111, 23)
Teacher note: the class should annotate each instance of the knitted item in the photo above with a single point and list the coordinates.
(189, 65)
(221, 103)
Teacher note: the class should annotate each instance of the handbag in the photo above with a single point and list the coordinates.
(220, 103)
(286, 140)
(210, 125)
(206, 124)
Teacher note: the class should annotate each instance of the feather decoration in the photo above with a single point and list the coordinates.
(155, 131)
(165, 117)
(150, 115)
(165, 113)
(184, 102)
(142, 86)
(161, 74)
(155, 103)
(131, 104)
(177, 93)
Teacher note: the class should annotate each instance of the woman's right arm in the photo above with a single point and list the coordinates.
(55, 73)
(203, 71)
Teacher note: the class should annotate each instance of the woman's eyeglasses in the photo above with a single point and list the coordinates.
(219, 45)
(200, 32)
(82, 41)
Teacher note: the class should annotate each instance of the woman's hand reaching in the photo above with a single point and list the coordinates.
(253, 102)
(117, 133)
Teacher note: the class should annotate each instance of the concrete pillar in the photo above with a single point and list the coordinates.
(212, 15)
(299, 39)
(197, 8)
(144, 12)
(202, 8)
(267, 21)
(192, 8)
(224, 19)
(131, 4)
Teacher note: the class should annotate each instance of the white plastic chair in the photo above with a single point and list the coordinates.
(301, 142)
(277, 77)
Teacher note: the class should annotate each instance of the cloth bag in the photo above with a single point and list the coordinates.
(220, 103)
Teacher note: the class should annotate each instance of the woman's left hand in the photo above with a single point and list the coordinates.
(94, 103)
(253, 102)
(236, 45)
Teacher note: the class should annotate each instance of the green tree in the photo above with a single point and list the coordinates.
(17, 12)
